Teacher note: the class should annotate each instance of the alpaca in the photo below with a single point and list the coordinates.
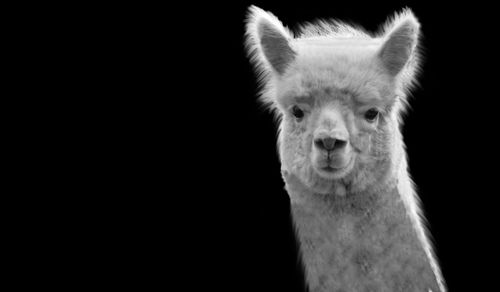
(338, 93)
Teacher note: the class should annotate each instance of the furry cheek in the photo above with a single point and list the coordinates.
(294, 145)
(362, 141)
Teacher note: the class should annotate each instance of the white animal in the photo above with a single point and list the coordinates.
(338, 93)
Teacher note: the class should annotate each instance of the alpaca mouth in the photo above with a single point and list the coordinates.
(332, 169)
(329, 168)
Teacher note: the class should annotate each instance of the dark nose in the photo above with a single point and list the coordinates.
(329, 143)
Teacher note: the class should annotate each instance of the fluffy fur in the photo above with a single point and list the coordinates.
(334, 74)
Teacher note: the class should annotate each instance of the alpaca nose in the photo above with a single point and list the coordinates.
(329, 143)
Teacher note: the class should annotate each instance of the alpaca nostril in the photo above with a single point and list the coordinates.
(330, 143)
(339, 144)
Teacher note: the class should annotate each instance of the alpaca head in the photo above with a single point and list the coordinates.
(337, 92)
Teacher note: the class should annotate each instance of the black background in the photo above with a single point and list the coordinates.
(182, 184)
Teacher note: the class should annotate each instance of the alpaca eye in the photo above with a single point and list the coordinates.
(297, 112)
(371, 114)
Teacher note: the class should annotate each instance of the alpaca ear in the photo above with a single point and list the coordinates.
(400, 42)
(268, 41)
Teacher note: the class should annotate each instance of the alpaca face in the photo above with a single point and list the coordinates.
(318, 136)
(333, 131)
(337, 92)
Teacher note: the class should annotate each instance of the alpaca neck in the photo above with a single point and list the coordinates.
(361, 242)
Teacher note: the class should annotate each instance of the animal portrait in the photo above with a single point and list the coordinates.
(339, 94)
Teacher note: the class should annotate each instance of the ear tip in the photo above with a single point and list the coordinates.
(407, 17)
(255, 14)
(253, 10)
(259, 19)
(404, 22)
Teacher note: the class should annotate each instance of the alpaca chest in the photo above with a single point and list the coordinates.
(372, 250)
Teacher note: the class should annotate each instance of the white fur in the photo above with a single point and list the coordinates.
(334, 53)
(334, 36)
